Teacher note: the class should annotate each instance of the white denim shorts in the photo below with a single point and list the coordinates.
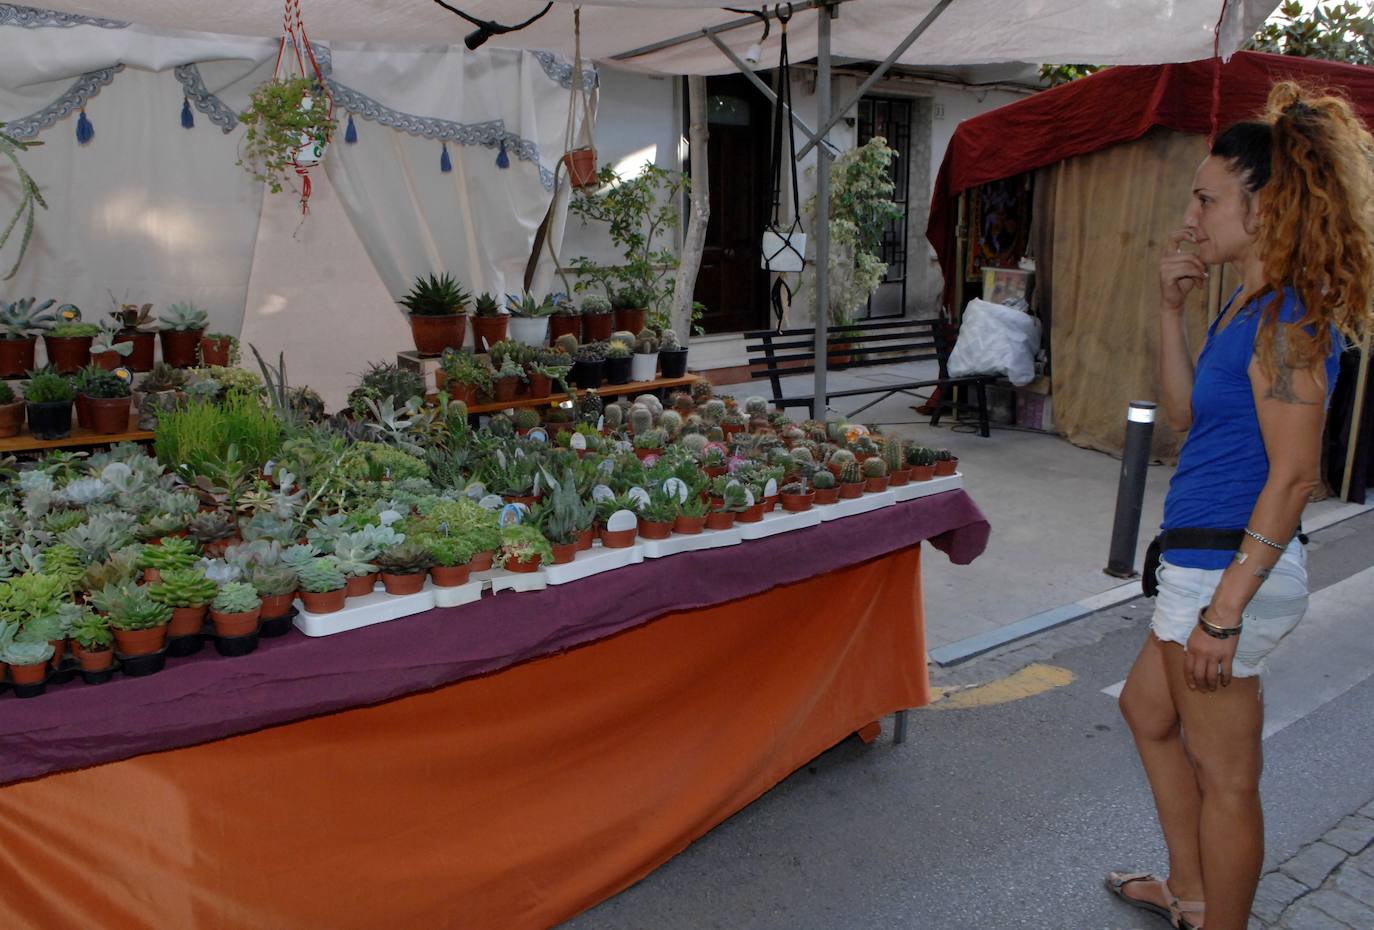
(1270, 616)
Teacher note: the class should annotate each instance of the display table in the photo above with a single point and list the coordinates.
(25, 442)
(517, 782)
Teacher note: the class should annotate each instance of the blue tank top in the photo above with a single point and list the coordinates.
(1223, 465)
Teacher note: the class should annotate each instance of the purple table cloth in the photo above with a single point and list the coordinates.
(206, 697)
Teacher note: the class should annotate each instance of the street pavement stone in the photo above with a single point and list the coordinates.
(1352, 834)
(1356, 884)
(1306, 917)
(1275, 893)
(1343, 907)
(1314, 863)
(1365, 861)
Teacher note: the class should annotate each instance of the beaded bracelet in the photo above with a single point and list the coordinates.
(1264, 539)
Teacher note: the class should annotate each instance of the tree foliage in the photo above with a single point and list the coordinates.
(1332, 31)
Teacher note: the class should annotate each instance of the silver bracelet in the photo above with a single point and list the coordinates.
(1264, 539)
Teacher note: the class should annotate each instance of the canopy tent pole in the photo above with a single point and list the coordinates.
(798, 6)
(822, 230)
(764, 89)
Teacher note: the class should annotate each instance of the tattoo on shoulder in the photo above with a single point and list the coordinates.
(1281, 389)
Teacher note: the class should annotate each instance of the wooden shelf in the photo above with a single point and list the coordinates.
(606, 390)
(24, 442)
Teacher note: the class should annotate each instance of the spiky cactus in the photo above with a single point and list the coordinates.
(822, 480)
(615, 417)
(671, 423)
(841, 457)
(566, 343)
(714, 411)
(894, 454)
(874, 468)
(850, 473)
(641, 419)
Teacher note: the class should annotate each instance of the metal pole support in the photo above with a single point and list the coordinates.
(1130, 492)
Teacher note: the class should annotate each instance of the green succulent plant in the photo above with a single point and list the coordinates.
(823, 480)
(272, 580)
(21, 319)
(130, 607)
(184, 317)
(320, 576)
(409, 558)
(236, 597)
(92, 631)
(850, 473)
(183, 587)
(174, 553)
(48, 387)
(874, 468)
(73, 330)
(436, 295)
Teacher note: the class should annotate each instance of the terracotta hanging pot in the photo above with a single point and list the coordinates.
(581, 165)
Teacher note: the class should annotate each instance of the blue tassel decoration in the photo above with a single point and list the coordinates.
(445, 163)
(85, 132)
(351, 133)
(502, 159)
(188, 119)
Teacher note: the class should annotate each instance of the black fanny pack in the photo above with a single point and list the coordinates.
(1185, 537)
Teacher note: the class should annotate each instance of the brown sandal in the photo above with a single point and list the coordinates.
(1117, 881)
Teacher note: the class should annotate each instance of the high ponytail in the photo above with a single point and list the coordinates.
(1316, 223)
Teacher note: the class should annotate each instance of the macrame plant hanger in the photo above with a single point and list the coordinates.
(311, 151)
(784, 247)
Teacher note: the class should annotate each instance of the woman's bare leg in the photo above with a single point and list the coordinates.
(1147, 704)
(1224, 731)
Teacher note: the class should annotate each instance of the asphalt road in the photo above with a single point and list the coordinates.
(1006, 815)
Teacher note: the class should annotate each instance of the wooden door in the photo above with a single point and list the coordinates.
(730, 284)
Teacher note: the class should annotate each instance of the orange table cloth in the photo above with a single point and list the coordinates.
(512, 800)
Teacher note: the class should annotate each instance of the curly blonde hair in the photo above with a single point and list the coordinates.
(1315, 224)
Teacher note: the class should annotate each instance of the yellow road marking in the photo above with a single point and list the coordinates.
(1032, 680)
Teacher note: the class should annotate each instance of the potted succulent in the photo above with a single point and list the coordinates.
(529, 318)
(851, 480)
(631, 306)
(797, 497)
(138, 622)
(619, 358)
(107, 397)
(644, 366)
(507, 379)
(182, 326)
(945, 463)
(290, 121)
(355, 554)
(589, 364)
(136, 326)
(465, 376)
(220, 349)
(672, 356)
(322, 585)
(691, 515)
(450, 560)
(188, 593)
(49, 397)
(488, 323)
(549, 368)
(214, 531)
(656, 518)
(404, 567)
(235, 610)
(69, 345)
(109, 349)
(437, 307)
(383, 380)
(28, 662)
(11, 412)
(649, 443)
(21, 323)
(276, 586)
(731, 503)
(523, 548)
(875, 474)
(566, 320)
(92, 641)
(616, 539)
(171, 553)
(894, 457)
(826, 487)
(597, 321)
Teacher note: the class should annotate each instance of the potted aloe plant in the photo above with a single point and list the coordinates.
(182, 326)
(488, 323)
(11, 412)
(49, 397)
(529, 318)
(21, 323)
(69, 345)
(136, 326)
(597, 321)
(437, 308)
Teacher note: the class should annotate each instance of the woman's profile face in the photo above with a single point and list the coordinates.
(1219, 215)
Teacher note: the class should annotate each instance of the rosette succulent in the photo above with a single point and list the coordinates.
(175, 552)
(130, 607)
(320, 576)
(183, 588)
(236, 597)
(408, 558)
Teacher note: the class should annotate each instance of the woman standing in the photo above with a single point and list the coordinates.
(1286, 202)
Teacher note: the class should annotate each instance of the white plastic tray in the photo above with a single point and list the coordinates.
(592, 561)
(502, 580)
(358, 612)
(691, 542)
(458, 596)
(856, 505)
(915, 489)
(779, 521)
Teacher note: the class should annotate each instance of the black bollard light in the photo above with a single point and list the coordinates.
(1130, 492)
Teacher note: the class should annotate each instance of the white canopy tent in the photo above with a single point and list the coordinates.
(701, 37)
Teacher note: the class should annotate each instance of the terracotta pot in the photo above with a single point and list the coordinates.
(523, 566)
(827, 495)
(152, 575)
(140, 642)
(434, 334)
(581, 165)
(51, 420)
(689, 526)
(770, 503)
(529, 500)
(326, 602)
(481, 561)
(584, 539)
(540, 385)
(141, 358)
(620, 539)
(796, 503)
(68, 354)
(107, 360)
(946, 467)
(899, 478)
(179, 346)
(214, 351)
(59, 650)
(29, 674)
(187, 621)
(410, 583)
(563, 553)
(561, 324)
(720, 519)
(360, 585)
(216, 548)
(236, 624)
(922, 472)
(630, 321)
(93, 660)
(450, 576)
(11, 418)
(503, 389)
(17, 356)
(876, 485)
(838, 355)
(597, 327)
(108, 415)
(655, 529)
(731, 429)
(752, 514)
(488, 330)
(715, 471)
(851, 490)
(276, 605)
(466, 393)
(83, 411)
(643, 454)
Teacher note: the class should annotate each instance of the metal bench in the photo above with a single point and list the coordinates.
(778, 354)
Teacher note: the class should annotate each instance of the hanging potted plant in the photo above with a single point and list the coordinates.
(49, 398)
(182, 326)
(290, 122)
(136, 327)
(437, 308)
(529, 319)
(21, 323)
(11, 412)
(489, 323)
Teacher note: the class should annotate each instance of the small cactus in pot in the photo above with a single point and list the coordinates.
(875, 474)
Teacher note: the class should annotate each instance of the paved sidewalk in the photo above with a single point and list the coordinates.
(1326, 885)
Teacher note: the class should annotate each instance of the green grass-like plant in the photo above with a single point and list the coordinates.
(202, 432)
(73, 331)
(48, 387)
